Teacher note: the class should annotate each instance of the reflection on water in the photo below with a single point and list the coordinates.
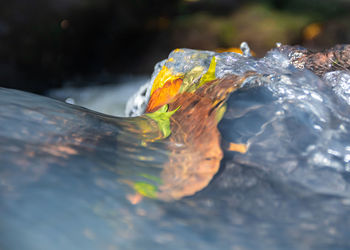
(69, 176)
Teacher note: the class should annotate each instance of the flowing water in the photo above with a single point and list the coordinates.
(69, 176)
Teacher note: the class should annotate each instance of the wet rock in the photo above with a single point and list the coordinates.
(336, 58)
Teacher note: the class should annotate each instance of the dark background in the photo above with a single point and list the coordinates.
(48, 44)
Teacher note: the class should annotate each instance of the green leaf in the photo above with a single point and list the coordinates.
(146, 189)
(210, 74)
(162, 117)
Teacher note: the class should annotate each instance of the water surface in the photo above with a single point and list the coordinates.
(66, 172)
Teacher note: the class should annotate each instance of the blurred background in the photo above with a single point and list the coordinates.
(47, 44)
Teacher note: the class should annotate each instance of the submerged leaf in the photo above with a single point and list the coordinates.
(164, 94)
(220, 113)
(191, 78)
(162, 117)
(241, 148)
(210, 74)
(164, 75)
(146, 189)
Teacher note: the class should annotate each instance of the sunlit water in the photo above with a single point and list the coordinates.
(63, 170)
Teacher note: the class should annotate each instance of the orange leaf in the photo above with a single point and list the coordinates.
(164, 75)
(241, 148)
(164, 94)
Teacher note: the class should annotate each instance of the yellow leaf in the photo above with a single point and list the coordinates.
(210, 74)
(220, 113)
(191, 78)
(164, 75)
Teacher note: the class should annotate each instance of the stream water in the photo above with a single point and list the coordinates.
(68, 174)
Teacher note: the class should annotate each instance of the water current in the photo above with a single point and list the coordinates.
(72, 178)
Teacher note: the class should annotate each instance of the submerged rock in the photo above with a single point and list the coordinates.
(336, 58)
(265, 142)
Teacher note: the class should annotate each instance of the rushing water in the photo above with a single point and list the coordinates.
(67, 174)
